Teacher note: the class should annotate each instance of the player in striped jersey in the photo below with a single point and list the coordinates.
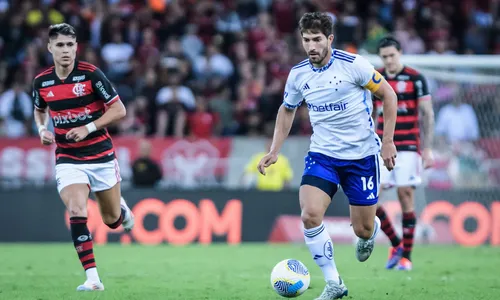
(81, 102)
(413, 96)
(337, 87)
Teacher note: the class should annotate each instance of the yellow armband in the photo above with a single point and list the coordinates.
(374, 84)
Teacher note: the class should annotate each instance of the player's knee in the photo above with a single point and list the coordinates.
(405, 195)
(363, 230)
(311, 218)
(110, 217)
(77, 208)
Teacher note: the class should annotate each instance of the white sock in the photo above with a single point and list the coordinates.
(321, 248)
(92, 275)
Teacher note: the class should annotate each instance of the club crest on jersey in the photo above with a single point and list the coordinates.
(401, 86)
(79, 89)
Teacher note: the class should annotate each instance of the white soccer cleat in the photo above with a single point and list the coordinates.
(128, 220)
(333, 290)
(88, 286)
(364, 248)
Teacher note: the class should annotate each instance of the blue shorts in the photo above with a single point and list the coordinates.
(359, 179)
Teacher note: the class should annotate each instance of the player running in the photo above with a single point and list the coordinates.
(337, 87)
(81, 103)
(413, 95)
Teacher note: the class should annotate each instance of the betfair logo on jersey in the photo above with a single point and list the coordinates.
(69, 117)
(327, 107)
(103, 91)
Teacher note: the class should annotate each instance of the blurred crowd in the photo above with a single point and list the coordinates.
(210, 68)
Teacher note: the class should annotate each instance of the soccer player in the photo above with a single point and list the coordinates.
(337, 87)
(413, 95)
(81, 102)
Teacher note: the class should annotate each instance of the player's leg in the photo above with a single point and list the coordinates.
(406, 198)
(407, 178)
(106, 187)
(73, 187)
(387, 181)
(360, 182)
(319, 184)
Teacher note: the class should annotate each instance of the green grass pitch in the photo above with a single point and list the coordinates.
(52, 271)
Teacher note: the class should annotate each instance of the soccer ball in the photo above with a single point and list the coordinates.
(290, 278)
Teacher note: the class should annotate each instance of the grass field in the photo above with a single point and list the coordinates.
(52, 271)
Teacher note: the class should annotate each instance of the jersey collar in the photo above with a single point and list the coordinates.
(323, 68)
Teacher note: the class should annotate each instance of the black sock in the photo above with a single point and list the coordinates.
(82, 239)
(119, 221)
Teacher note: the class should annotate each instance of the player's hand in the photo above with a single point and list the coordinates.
(389, 153)
(266, 161)
(428, 158)
(77, 134)
(47, 137)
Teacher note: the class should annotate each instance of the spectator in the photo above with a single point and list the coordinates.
(457, 122)
(16, 111)
(278, 176)
(173, 102)
(145, 171)
(203, 123)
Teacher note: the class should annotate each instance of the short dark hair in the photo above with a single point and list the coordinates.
(63, 29)
(388, 41)
(316, 22)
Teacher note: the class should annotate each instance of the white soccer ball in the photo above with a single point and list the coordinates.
(290, 278)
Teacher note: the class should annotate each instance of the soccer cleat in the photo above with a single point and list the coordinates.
(88, 286)
(405, 264)
(333, 290)
(364, 248)
(128, 219)
(395, 255)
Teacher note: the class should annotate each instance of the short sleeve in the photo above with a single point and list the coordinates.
(422, 88)
(38, 101)
(365, 74)
(103, 87)
(292, 98)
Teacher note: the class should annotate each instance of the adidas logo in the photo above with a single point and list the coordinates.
(50, 94)
(305, 87)
(372, 196)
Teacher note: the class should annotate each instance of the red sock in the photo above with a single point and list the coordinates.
(82, 241)
(387, 228)
(409, 222)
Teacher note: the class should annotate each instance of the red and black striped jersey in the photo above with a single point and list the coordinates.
(76, 101)
(411, 88)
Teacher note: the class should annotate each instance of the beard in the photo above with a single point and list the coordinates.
(320, 57)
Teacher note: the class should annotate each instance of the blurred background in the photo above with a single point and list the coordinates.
(202, 82)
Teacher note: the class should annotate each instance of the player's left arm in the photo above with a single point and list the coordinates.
(115, 110)
(427, 113)
(366, 76)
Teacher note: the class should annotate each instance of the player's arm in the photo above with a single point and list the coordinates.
(427, 113)
(41, 117)
(369, 78)
(115, 110)
(382, 90)
(292, 99)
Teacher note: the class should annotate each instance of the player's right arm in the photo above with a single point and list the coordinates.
(292, 98)
(41, 116)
